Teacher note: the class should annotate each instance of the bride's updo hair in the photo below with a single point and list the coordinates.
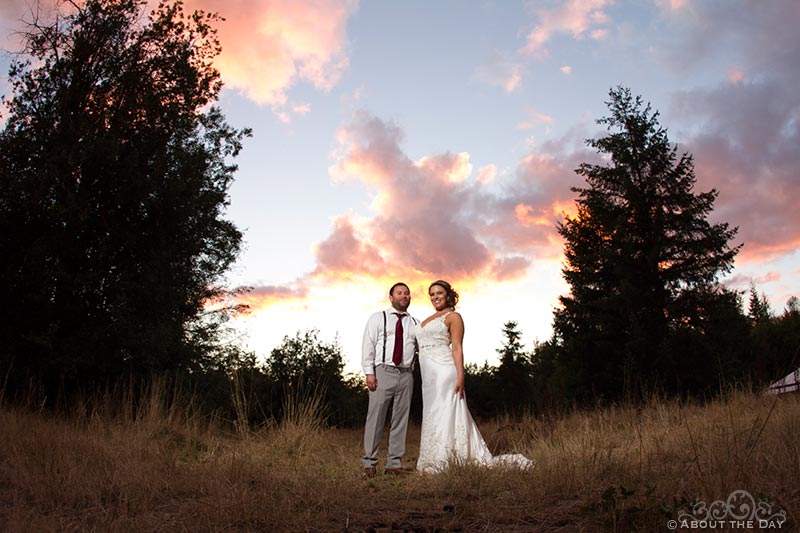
(451, 296)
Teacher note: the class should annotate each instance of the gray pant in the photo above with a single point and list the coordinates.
(395, 386)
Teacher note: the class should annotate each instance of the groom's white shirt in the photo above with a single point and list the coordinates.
(372, 346)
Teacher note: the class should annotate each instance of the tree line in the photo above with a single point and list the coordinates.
(115, 167)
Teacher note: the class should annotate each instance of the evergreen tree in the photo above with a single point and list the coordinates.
(774, 340)
(513, 374)
(642, 262)
(792, 306)
(114, 178)
(480, 383)
(511, 353)
(759, 308)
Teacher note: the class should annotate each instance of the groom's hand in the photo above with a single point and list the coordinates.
(372, 382)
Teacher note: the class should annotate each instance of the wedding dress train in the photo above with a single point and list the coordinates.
(449, 432)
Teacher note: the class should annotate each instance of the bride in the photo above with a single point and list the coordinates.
(448, 431)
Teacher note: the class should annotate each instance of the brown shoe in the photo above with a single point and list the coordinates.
(370, 472)
(396, 472)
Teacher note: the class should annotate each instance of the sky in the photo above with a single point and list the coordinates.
(421, 140)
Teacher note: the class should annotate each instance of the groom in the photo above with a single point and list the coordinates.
(388, 360)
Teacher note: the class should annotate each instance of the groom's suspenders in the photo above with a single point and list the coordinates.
(384, 338)
(384, 335)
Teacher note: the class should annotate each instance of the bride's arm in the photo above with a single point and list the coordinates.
(455, 324)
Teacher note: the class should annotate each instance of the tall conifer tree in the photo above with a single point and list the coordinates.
(642, 262)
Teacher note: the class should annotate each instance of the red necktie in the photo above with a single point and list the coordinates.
(397, 356)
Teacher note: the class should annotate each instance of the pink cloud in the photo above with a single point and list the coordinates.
(261, 296)
(454, 168)
(748, 151)
(345, 251)
(11, 11)
(524, 220)
(501, 71)
(598, 34)
(419, 206)
(301, 109)
(509, 268)
(433, 218)
(672, 5)
(744, 132)
(487, 174)
(577, 18)
(735, 75)
(535, 118)
(513, 81)
(744, 281)
(369, 150)
(271, 45)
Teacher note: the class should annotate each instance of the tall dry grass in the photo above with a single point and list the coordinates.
(157, 466)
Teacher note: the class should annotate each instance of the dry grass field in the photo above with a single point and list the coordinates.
(612, 469)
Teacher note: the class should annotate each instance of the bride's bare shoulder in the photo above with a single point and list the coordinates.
(453, 316)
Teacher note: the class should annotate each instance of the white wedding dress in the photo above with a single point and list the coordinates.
(448, 431)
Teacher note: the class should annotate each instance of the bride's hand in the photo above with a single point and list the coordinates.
(460, 386)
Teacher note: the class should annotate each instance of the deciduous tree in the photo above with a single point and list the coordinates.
(304, 367)
(114, 177)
